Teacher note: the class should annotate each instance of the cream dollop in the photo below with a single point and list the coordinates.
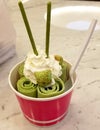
(35, 63)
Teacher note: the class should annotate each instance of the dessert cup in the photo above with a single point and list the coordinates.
(42, 111)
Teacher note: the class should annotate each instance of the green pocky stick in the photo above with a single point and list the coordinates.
(48, 28)
(27, 26)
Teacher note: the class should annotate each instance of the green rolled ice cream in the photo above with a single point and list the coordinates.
(44, 78)
(64, 71)
(56, 89)
(64, 65)
(20, 70)
(26, 87)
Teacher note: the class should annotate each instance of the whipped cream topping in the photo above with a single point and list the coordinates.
(35, 63)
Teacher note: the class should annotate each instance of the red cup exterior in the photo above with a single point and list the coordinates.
(44, 113)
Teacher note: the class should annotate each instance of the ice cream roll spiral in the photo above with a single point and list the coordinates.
(26, 87)
(54, 90)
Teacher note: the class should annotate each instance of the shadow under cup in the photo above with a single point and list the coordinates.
(42, 111)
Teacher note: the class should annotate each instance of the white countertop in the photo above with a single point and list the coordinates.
(84, 110)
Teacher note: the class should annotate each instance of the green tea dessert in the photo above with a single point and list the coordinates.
(54, 90)
(42, 75)
(20, 70)
(26, 87)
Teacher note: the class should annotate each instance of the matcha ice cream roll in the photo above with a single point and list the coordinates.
(46, 84)
(51, 91)
(26, 87)
(20, 70)
(45, 74)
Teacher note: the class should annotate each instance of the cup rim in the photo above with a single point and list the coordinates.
(38, 99)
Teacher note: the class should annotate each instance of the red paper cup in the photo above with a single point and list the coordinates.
(41, 111)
